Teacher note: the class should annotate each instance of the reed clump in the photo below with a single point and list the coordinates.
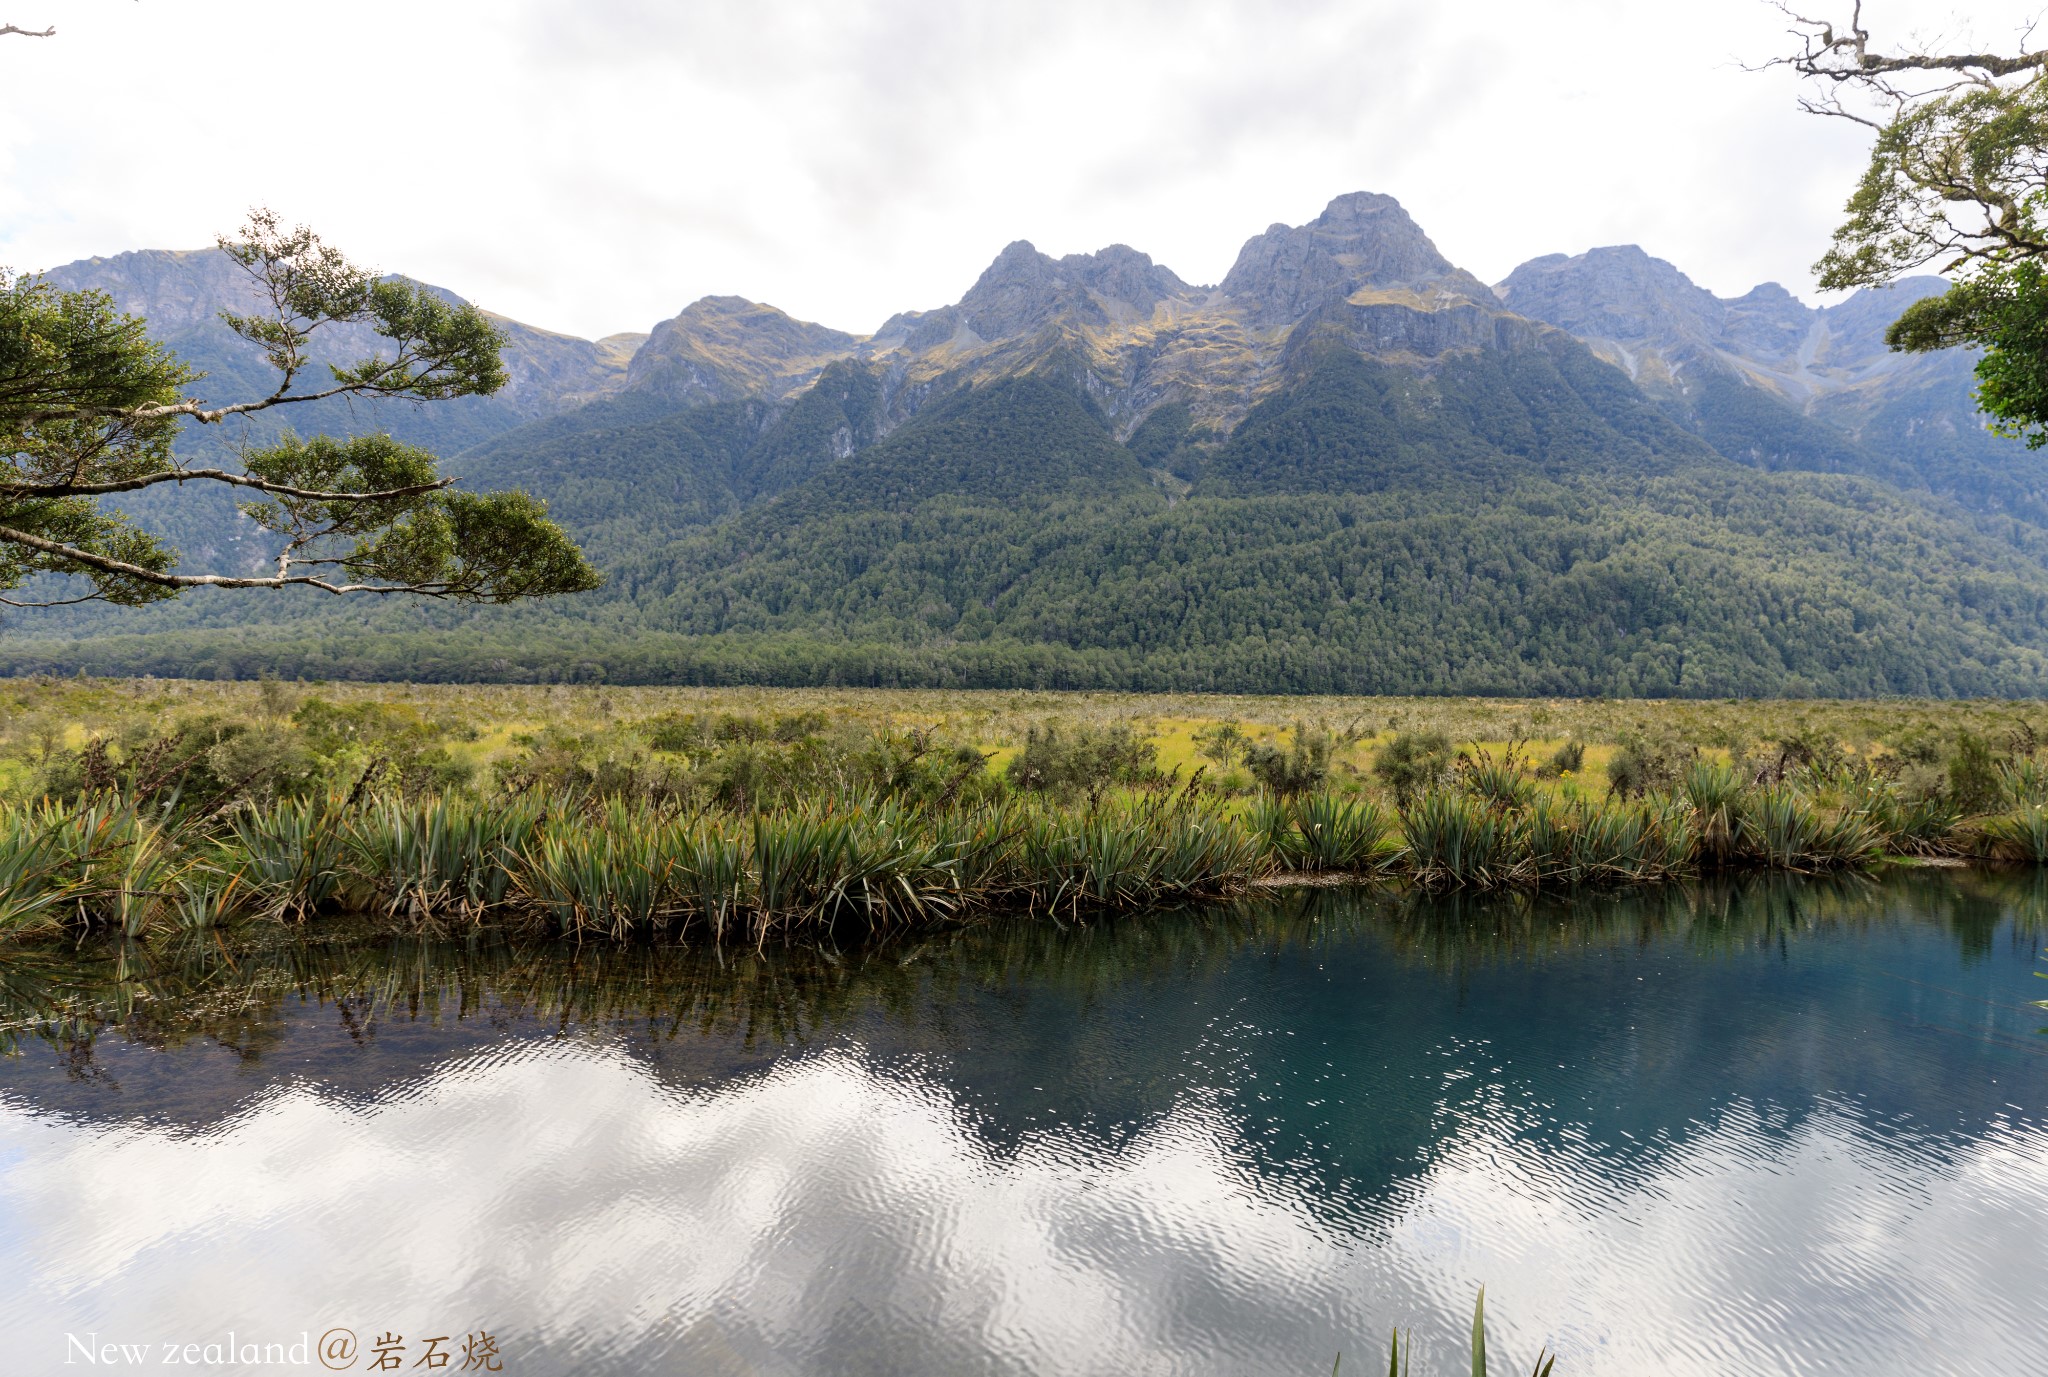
(735, 827)
(1502, 828)
(626, 869)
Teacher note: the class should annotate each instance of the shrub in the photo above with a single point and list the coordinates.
(438, 857)
(2020, 835)
(1567, 759)
(1715, 797)
(1301, 768)
(1081, 760)
(1325, 832)
(1973, 779)
(2022, 781)
(1575, 840)
(677, 733)
(1456, 840)
(1498, 782)
(1642, 767)
(1413, 763)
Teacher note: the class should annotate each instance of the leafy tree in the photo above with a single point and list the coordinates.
(1222, 744)
(1958, 178)
(89, 406)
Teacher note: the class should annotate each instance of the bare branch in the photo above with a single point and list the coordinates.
(1834, 108)
(1844, 54)
(6, 29)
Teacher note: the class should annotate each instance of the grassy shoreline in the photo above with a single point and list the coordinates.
(860, 867)
(143, 807)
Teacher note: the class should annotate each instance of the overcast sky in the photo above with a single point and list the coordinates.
(594, 165)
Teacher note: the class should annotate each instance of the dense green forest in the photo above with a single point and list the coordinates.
(1516, 522)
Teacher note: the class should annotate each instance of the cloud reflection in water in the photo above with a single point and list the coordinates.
(829, 1216)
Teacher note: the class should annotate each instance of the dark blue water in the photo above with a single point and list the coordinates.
(1788, 1127)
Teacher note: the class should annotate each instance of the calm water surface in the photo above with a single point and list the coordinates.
(1784, 1128)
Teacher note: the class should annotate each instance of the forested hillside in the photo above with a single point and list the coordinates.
(1356, 471)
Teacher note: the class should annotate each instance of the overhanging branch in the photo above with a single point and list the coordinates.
(206, 415)
(240, 480)
(1846, 55)
(109, 565)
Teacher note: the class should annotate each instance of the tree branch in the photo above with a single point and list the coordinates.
(1846, 56)
(208, 415)
(107, 564)
(6, 29)
(240, 480)
(53, 602)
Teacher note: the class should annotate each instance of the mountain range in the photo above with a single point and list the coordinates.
(1348, 466)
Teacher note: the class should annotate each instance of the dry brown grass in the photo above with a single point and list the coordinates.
(39, 715)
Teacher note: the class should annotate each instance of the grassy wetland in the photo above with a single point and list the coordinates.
(730, 815)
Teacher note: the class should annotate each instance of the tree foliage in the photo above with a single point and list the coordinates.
(90, 405)
(1957, 179)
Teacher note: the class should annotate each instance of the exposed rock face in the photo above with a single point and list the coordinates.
(177, 290)
(1651, 319)
(726, 348)
(1126, 330)
(1771, 381)
(1132, 335)
(182, 292)
(1359, 241)
(1024, 292)
(1621, 297)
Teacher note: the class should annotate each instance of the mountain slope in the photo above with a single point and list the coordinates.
(1524, 535)
(181, 294)
(1350, 466)
(1771, 382)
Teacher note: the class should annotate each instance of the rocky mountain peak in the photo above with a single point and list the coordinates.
(1360, 240)
(181, 293)
(1023, 292)
(178, 290)
(1123, 276)
(1617, 293)
(1667, 331)
(724, 348)
(1857, 325)
(1768, 322)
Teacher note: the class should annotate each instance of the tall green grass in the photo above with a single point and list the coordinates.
(1323, 832)
(1454, 839)
(590, 864)
(435, 858)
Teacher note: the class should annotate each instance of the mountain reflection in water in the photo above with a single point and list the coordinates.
(1776, 1127)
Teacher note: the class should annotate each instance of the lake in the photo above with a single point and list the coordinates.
(1778, 1126)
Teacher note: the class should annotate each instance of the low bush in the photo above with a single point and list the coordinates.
(1065, 763)
(1414, 763)
(1568, 759)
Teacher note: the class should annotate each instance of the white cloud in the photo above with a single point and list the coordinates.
(824, 1217)
(593, 167)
